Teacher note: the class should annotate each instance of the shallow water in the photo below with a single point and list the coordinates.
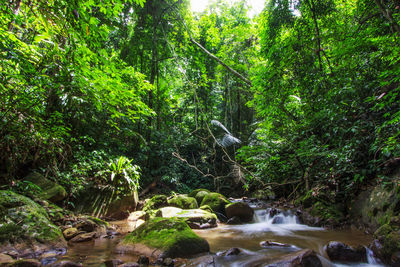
(282, 228)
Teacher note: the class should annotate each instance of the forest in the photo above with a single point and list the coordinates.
(108, 107)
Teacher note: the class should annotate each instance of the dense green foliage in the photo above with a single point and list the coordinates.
(92, 90)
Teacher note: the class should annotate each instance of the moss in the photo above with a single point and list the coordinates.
(183, 202)
(171, 235)
(383, 231)
(206, 208)
(194, 192)
(200, 196)
(326, 212)
(24, 220)
(156, 202)
(50, 190)
(216, 202)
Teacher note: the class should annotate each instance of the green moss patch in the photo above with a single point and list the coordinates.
(215, 201)
(194, 192)
(23, 220)
(183, 202)
(171, 235)
(50, 190)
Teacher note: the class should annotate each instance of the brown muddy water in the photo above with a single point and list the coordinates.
(282, 228)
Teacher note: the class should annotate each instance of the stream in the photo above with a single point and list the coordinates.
(283, 227)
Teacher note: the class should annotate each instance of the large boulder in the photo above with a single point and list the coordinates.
(241, 210)
(387, 243)
(196, 218)
(120, 208)
(216, 202)
(50, 190)
(338, 251)
(25, 225)
(164, 237)
(183, 202)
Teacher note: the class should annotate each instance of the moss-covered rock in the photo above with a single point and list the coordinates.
(183, 202)
(241, 210)
(328, 214)
(50, 190)
(191, 216)
(206, 208)
(23, 219)
(194, 192)
(156, 202)
(200, 194)
(216, 202)
(166, 237)
(388, 240)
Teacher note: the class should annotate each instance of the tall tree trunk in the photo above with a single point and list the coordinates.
(318, 37)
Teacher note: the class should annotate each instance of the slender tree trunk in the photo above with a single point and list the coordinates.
(318, 37)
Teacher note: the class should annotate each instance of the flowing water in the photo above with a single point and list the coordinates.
(282, 227)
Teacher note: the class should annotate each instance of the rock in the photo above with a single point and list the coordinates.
(24, 222)
(156, 202)
(216, 202)
(338, 251)
(234, 220)
(387, 243)
(199, 196)
(130, 264)
(277, 220)
(70, 233)
(183, 202)
(138, 215)
(272, 212)
(83, 237)
(168, 262)
(166, 237)
(144, 260)
(375, 207)
(302, 258)
(66, 264)
(50, 190)
(5, 259)
(113, 263)
(230, 252)
(86, 226)
(241, 210)
(191, 216)
(25, 263)
(266, 244)
(120, 208)
(194, 192)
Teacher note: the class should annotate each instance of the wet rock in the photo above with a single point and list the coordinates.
(338, 251)
(266, 244)
(203, 261)
(233, 251)
(5, 259)
(234, 220)
(66, 264)
(241, 210)
(129, 264)
(113, 263)
(302, 258)
(26, 263)
(277, 220)
(272, 212)
(83, 237)
(70, 233)
(48, 260)
(144, 260)
(86, 225)
(168, 262)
